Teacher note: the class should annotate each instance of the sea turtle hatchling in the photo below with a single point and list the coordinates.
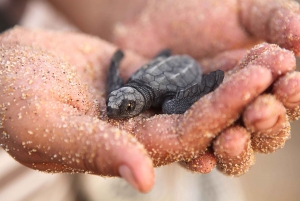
(171, 82)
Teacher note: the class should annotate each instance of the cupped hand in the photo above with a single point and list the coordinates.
(219, 33)
(55, 119)
(52, 97)
(53, 114)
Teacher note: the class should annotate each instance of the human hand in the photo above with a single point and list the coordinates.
(219, 33)
(159, 158)
(53, 109)
(52, 93)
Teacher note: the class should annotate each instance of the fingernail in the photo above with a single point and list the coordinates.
(126, 174)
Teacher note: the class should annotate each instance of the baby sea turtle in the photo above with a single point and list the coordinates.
(171, 82)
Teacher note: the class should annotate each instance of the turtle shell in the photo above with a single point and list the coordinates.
(168, 75)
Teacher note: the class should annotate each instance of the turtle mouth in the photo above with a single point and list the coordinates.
(115, 113)
(112, 113)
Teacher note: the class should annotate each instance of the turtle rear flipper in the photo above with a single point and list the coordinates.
(113, 80)
(184, 99)
(164, 53)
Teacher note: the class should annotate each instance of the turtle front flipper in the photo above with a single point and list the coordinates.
(211, 81)
(113, 80)
(184, 99)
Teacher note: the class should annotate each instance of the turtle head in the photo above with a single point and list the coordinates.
(125, 102)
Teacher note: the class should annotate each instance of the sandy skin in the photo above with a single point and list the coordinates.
(53, 105)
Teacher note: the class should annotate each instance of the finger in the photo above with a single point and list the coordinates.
(203, 164)
(223, 61)
(287, 90)
(266, 119)
(268, 144)
(233, 151)
(269, 56)
(50, 123)
(265, 115)
(274, 21)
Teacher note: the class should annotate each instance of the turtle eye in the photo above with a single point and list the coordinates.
(130, 106)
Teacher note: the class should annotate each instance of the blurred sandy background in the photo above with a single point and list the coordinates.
(274, 177)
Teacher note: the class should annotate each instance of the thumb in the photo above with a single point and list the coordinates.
(64, 140)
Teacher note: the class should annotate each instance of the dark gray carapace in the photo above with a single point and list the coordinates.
(173, 82)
